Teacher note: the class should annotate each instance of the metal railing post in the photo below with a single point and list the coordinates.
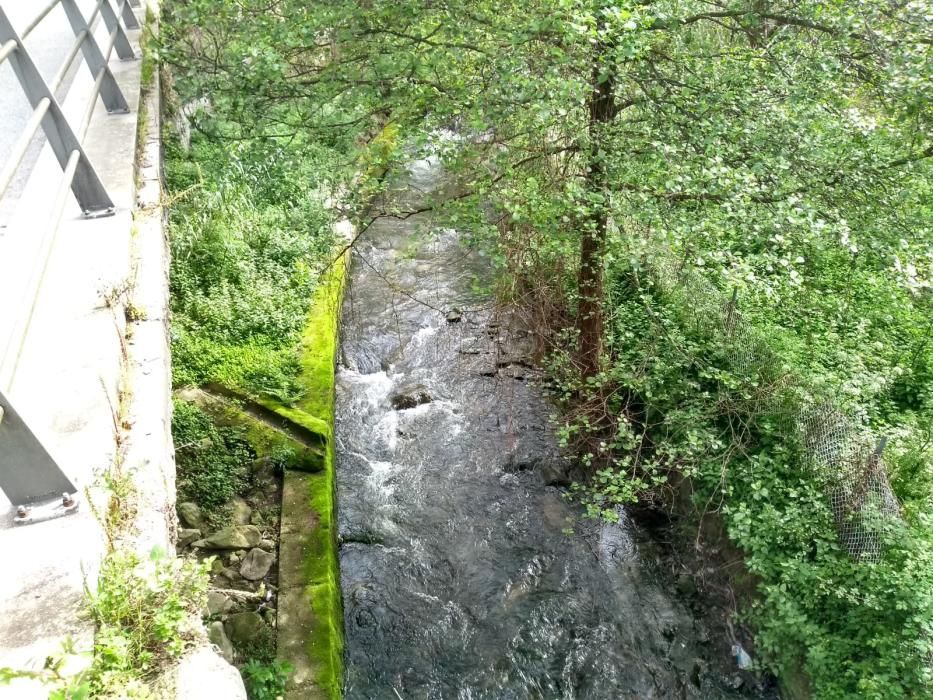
(110, 92)
(129, 17)
(122, 44)
(86, 185)
(29, 476)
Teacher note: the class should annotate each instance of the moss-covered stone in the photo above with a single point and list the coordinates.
(296, 443)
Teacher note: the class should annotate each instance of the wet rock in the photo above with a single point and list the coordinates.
(554, 473)
(240, 512)
(454, 315)
(256, 564)
(735, 681)
(217, 604)
(509, 479)
(233, 537)
(686, 585)
(410, 396)
(186, 536)
(190, 515)
(552, 470)
(218, 637)
(243, 628)
(697, 671)
(517, 372)
(361, 536)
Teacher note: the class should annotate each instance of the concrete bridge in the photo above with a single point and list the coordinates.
(95, 399)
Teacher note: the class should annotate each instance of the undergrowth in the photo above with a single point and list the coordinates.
(213, 462)
(249, 236)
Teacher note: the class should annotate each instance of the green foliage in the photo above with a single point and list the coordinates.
(266, 681)
(249, 236)
(144, 612)
(781, 150)
(674, 398)
(213, 462)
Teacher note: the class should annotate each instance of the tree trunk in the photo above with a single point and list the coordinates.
(602, 110)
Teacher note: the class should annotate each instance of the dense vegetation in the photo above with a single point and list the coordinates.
(249, 237)
(655, 168)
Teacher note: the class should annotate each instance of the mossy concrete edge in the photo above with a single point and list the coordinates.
(310, 616)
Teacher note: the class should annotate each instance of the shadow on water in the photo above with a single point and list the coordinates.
(464, 573)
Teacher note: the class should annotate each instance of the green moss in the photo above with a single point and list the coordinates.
(320, 584)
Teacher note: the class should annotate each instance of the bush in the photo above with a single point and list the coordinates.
(213, 462)
(249, 238)
(266, 681)
(144, 614)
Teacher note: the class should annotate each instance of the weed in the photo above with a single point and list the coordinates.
(266, 681)
(212, 461)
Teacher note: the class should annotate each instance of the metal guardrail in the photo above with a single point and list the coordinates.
(29, 476)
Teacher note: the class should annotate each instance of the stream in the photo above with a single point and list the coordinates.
(465, 572)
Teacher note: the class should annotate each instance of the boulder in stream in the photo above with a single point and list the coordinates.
(218, 637)
(186, 536)
(410, 396)
(217, 604)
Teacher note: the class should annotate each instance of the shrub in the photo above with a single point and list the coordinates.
(266, 681)
(213, 462)
(145, 615)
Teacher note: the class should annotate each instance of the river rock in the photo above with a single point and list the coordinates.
(218, 637)
(190, 515)
(554, 473)
(454, 316)
(231, 574)
(263, 465)
(204, 673)
(186, 536)
(244, 627)
(217, 604)
(410, 396)
(256, 564)
(239, 511)
(233, 537)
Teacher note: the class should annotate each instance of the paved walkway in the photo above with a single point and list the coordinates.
(66, 383)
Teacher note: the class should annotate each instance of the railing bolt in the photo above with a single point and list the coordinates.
(22, 511)
(67, 500)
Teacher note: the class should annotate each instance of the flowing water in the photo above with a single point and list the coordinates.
(464, 574)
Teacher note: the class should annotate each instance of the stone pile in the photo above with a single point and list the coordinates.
(240, 611)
